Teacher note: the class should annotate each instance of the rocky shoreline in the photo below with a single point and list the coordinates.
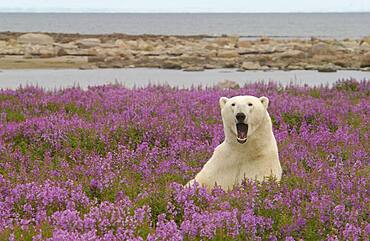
(189, 53)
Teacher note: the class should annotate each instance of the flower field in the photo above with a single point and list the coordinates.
(109, 163)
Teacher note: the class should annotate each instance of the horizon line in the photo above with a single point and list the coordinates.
(168, 12)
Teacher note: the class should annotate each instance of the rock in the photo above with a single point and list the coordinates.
(112, 59)
(227, 84)
(143, 45)
(117, 65)
(342, 62)
(365, 60)
(365, 40)
(47, 52)
(292, 54)
(66, 46)
(77, 52)
(120, 43)
(209, 66)
(227, 54)
(228, 64)
(294, 67)
(227, 41)
(211, 46)
(131, 44)
(322, 49)
(88, 66)
(35, 38)
(110, 65)
(265, 39)
(88, 42)
(148, 53)
(106, 45)
(103, 65)
(27, 52)
(175, 52)
(171, 65)
(193, 68)
(60, 51)
(327, 68)
(364, 47)
(250, 66)
(42, 51)
(95, 59)
(310, 67)
(244, 44)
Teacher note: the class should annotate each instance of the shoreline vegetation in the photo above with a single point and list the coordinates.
(188, 53)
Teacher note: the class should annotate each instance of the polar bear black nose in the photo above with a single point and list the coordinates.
(240, 117)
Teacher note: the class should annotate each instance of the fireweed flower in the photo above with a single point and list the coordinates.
(109, 163)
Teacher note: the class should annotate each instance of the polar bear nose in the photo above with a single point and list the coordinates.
(240, 117)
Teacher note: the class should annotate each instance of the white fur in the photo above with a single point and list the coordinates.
(256, 159)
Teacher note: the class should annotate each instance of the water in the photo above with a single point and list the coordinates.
(141, 77)
(279, 25)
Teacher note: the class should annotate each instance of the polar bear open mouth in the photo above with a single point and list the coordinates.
(242, 130)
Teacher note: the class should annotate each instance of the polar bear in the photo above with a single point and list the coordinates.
(249, 150)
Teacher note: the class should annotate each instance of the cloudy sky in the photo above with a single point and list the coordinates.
(187, 5)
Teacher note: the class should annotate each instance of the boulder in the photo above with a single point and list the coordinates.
(42, 51)
(211, 46)
(227, 84)
(322, 49)
(365, 40)
(327, 68)
(310, 67)
(193, 68)
(227, 54)
(244, 44)
(47, 52)
(88, 66)
(293, 67)
(35, 38)
(131, 44)
(144, 45)
(171, 65)
(209, 66)
(95, 59)
(66, 46)
(175, 52)
(364, 47)
(88, 42)
(120, 43)
(27, 53)
(250, 66)
(291, 53)
(365, 60)
(265, 39)
(227, 41)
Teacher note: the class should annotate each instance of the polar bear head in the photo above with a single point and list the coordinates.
(242, 115)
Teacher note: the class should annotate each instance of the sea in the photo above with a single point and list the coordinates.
(245, 25)
(54, 79)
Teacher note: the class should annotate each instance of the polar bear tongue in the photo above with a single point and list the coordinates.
(242, 130)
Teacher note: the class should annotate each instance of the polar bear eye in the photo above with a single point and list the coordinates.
(233, 104)
(250, 104)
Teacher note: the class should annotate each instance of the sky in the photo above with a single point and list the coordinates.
(186, 5)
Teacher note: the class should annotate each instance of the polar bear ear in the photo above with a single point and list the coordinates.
(223, 101)
(265, 101)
